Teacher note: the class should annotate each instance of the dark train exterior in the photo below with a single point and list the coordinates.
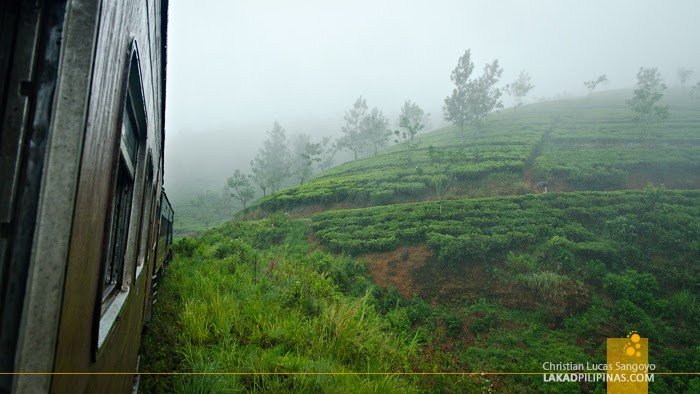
(165, 236)
(82, 85)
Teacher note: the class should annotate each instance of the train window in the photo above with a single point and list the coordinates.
(121, 211)
(146, 219)
(130, 204)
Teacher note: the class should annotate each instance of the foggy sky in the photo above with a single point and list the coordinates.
(234, 67)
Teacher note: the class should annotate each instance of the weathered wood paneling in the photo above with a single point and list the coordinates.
(120, 23)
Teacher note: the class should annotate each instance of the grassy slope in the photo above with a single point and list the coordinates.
(253, 298)
(588, 143)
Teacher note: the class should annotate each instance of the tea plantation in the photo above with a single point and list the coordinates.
(377, 287)
(589, 143)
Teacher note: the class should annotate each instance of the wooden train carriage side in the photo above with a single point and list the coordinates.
(82, 110)
(165, 235)
(163, 253)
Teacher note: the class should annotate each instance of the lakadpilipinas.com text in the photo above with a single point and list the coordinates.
(577, 372)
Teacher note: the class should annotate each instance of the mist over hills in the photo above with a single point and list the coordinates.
(583, 143)
(371, 267)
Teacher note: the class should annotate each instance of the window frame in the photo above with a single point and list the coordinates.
(125, 217)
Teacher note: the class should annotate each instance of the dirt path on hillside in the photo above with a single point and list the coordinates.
(527, 174)
(530, 169)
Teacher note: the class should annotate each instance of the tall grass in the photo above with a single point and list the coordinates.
(548, 285)
(280, 322)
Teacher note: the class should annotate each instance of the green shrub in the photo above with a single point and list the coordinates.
(464, 249)
(600, 178)
(635, 318)
(632, 286)
(224, 249)
(623, 228)
(399, 321)
(577, 233)
(594, 271)
(560, 252)
(454, 323)
(392, 298)
(484, 324)
(522, 262)
(684, 304)
(520, 188)
(418, 311)
(186, 246)
(589, 323)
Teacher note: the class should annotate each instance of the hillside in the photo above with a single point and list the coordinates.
(500, 278)
(588, 143)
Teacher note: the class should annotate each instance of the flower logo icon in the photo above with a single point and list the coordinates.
(633, 346)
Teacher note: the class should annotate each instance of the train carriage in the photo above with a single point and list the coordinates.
(163, 253)
(82, 85)
(165, 236)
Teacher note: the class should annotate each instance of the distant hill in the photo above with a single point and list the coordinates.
(587, 143)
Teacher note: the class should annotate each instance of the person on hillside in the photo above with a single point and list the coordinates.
(545, 190)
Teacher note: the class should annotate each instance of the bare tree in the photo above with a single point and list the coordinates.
(443, 163)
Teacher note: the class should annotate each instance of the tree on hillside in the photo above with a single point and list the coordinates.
(258, 166)
(328, 151)
(472, 99)
(411, 122)
(443, 163)
(242, 189)
(304, 154)
(375, 129)
(456, 109)
(226, 202)
(352, 138)
(695, 91)
(276, 155)
(684, 75)
(647, 94)
(206, 204)
(591, 85)
(483, 96)
(519, 88)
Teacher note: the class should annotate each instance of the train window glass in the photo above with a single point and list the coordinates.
(129, 205)
(151, 244)
(121, 211)
(130, 137)
(146, 218)
(155, 231)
